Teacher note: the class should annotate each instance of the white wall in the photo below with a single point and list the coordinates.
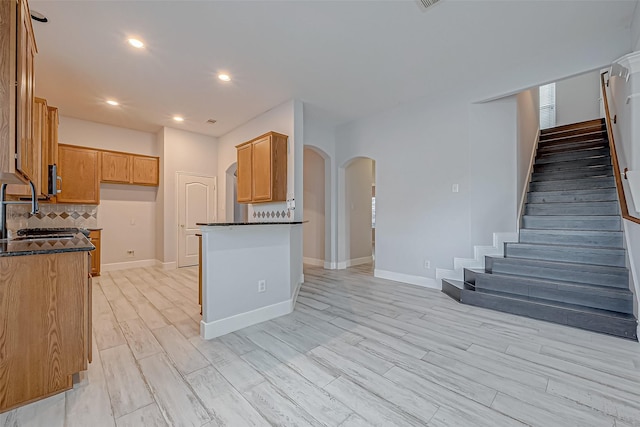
(635, 28)
(314, 207)
(578, 98)
(320, 133)
(528, 126)
(282, 119)
(492, 191)
(180, 151)
(359, 178)
(127, 213)
(420, 151)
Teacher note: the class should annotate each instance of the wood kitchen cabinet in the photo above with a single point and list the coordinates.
(116, 167)
(18, 154)
(45, 313)
(146, 170)
(94, 238)
(262, 169)
(128, 168)
(79, 170)
(40, 141)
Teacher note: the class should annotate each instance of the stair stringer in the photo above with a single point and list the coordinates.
(634, 269)
(479, 253)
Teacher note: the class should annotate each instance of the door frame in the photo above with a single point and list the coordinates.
(177, 205)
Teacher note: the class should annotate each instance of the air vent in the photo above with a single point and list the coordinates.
(424, 4)
(211, 121)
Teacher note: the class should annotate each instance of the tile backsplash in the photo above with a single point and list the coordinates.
(270, 212)
(52, 216)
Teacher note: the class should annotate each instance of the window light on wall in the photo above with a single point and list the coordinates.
(548, 106)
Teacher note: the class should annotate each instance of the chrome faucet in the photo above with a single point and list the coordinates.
(3, 207)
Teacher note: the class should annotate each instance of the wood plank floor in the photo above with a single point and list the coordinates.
(357, 351)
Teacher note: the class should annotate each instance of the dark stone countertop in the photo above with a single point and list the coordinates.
(228, 224)
(45, 245)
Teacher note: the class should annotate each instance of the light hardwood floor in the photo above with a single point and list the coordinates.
(357, 351)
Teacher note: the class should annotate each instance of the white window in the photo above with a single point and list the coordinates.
(548, 106)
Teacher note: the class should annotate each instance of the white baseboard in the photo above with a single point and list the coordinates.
(353, 262)
(167, 265)
(129, 264)
(313, 261)
(330, 265)
(225, 326)
(425, 282)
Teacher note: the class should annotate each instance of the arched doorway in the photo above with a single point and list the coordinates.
(316, 207)
(358, 212)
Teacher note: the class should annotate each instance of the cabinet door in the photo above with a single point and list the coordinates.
(116, 167)
(39, 143)
(26, 152)
(94, 237)
(79, 171)
(145, 170)
(89, 313)
(262, 170)
(52, 139)
(244, 173)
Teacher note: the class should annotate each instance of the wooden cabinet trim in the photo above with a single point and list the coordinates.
(271, 133)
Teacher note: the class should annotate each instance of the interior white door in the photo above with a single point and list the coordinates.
(196, 203)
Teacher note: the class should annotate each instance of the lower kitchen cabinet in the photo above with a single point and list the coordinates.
(94, 237)
(45, 313)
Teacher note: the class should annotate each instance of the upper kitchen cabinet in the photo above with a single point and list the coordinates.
(146, 170)
(79, 170)
(40, 143)
(127, 168)
(116, 167)
(262, 168)
(18, 154)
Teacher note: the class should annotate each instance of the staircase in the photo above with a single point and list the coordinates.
(568, 265)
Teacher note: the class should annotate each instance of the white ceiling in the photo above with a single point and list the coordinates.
(351, 58)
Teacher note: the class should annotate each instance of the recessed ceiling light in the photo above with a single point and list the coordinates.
(178, 118)
(136, 43)
(113, 102)
(224, 77)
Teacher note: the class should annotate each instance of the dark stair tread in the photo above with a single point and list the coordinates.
(562, 265)
(577, 125)
(553, 246)
(553, 140)
(564, 305)
(568, 165)
(592, 319)
(599, 194)
(572, 155)
(562, 284)
(570, 146)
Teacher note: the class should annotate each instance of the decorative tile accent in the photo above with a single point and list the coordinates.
(52, 216)
(272, 212)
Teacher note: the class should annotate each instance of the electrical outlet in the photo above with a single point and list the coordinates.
(427, 263)
(131, 252)
(262, 285)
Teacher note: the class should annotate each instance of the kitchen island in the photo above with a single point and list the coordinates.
(251, 273)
